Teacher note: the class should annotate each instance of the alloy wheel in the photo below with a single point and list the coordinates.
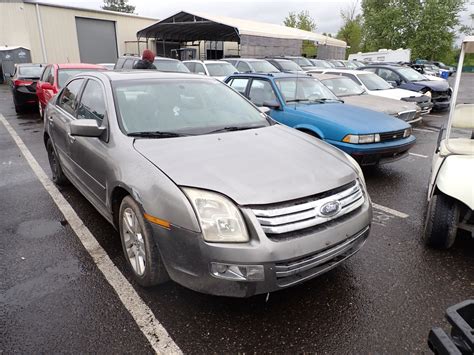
(134, 242)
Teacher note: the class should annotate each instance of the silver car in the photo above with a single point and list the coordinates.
(203, 187)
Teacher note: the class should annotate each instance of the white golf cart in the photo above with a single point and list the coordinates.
(451, 189)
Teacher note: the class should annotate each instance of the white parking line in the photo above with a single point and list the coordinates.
(389, 210)
(424, 130)
(418, 155)
(141, 313)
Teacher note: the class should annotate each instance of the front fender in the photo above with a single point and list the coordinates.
(456, 178)
(307, 127)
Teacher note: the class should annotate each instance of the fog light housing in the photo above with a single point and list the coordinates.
(238, 272)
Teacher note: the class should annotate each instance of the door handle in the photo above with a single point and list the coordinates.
(72, 139)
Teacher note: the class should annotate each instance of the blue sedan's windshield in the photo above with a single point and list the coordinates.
(182, 106)
(304, 89)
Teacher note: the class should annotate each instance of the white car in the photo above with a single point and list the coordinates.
(375, 85)
(218, 69)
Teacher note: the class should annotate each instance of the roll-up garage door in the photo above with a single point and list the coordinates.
(97, 40)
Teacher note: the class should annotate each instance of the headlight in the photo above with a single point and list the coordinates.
(220, 219)
(357, 167)
(407, 132)
(361, 138)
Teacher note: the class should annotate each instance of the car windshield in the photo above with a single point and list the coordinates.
(170, 66)
(65, 74)
(289, 65)
(337, 64)
(321, 64)
(374, 82)
(411, 74)
(181, 107)
(357, 64)
(30, 72)
(350, 64)
(304, 89)
(221, 69)
(343, 86)
(263, 67)
(302, 62)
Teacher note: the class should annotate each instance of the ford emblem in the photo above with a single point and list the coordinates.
(330, 208)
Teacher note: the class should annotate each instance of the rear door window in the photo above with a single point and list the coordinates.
(239, 84)
(68, 99)
(92, 105)
(243, 67)
(261, 91)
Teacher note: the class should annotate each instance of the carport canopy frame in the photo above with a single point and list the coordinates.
(190, 27)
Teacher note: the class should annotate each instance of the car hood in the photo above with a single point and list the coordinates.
(436, 84)
(353, 119)
(257, 166)
(380, 104)
(395, 93)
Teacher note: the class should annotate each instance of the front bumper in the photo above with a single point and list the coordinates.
(423, 102)
(377, 153)
(286, 262)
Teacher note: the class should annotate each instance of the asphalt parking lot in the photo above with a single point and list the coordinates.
(54, 297)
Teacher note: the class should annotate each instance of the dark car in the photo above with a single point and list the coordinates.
(23, 85)
(286, 65)
(409, 79)
(303, 62)
(161, 63)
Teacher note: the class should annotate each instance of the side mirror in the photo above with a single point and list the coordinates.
(85, 128)
(272, 105)
(264, 109)
(47, 86)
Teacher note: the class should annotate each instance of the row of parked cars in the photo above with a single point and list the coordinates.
(232, 188)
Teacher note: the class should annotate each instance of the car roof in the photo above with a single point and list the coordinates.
(79, 66)
(30, 65)
(276, 75)
(327, 76)
(349, 71)
(164, 58)
(136, 74)
(384, 65)
(251, 59)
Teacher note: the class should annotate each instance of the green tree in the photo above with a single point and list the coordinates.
(303, 21)
(351, 30)
(118, 6)
(427, 27)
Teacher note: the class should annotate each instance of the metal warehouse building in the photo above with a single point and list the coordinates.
(61, 34)
(219, 36)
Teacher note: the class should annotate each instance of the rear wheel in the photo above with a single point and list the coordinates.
(58, 176)
(141, 251)
(441, 222)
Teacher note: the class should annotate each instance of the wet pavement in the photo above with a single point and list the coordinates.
(384, 299)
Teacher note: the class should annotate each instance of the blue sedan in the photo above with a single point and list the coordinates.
(304, 103)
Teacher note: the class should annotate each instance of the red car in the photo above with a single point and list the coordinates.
(54, 77)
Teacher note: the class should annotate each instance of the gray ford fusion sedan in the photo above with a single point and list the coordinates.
(203, 187)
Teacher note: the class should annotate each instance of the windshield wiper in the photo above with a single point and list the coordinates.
(155, 134)
(296, 100)
(324, 100)
(233, 128)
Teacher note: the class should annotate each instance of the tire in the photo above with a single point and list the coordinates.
(40, 110)
(18, 109)
(140, 250)
(58, 175)
(441, 222)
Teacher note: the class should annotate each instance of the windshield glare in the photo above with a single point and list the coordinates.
(411, 74)
(30, 72)
(374, 82)
(65, 74)
(263, 67)
(321, 63)
(343, 86)
(289, 65)
(182, 106)
(170, 66)
(221, 69)
(303, 89)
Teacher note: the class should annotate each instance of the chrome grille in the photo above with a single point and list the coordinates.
(289, 218)
(406, 115)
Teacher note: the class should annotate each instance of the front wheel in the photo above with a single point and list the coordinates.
(441, 222)
(58, 175)
(141, 251)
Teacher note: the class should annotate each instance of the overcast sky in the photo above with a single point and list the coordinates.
(325, 12)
